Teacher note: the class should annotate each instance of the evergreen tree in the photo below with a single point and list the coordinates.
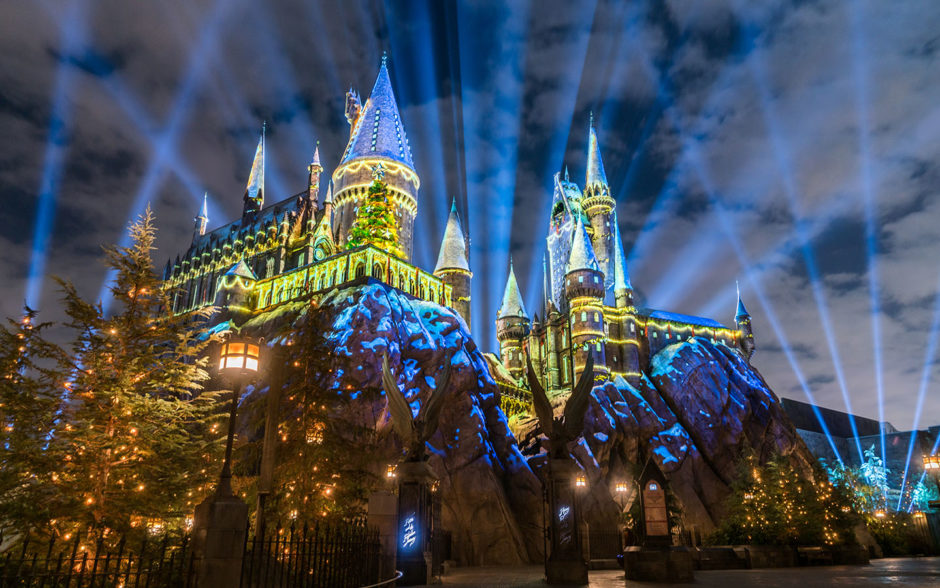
(30, 386)
(137, 432)
(328, 458)
(775, 505)
(375, 222)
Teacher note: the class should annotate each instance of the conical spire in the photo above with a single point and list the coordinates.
(621, 277)
(595, 166)
(204, 212)
(546, 280)
(202, 219)
(582, 253)
(453, 254)
(378, 130)
(329, 194)
(254, 191)
(512, 299)
(741, 312)
(316, 157)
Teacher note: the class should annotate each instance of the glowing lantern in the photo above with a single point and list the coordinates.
(620, 487)
(239, 357)
(932, 462)
(390, 471)
(580, 481)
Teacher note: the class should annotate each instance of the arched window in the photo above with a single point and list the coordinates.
(360, 270)
(378, 272)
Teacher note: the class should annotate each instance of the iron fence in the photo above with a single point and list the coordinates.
(82, 563)
(315, 556)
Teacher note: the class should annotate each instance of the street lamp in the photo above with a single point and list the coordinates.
(238, 359)
(580, 481)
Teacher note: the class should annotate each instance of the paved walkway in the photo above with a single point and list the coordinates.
(906, 572)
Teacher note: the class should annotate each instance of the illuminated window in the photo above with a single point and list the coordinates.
(632, 328)
(597, 317)
(583, 316)
(580, 279)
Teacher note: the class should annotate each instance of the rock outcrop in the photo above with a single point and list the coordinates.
(698, 410)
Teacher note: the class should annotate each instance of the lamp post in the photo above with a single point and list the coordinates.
(932, 468)
(220, 521)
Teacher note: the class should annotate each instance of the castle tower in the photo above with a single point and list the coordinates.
(313, 181)
(599, 206)
(743, 321)
(201, 221)
(254, 191)
(623, 295)
(453, 266)
(377, 137)
(512, 327)
(584, 287)
(566, 208)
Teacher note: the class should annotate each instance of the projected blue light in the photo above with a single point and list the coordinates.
(782, 157)
(490, 132)
(924, 384)
(72, 35)
(867, 180)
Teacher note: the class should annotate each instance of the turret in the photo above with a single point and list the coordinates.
(623, 289)
(584, 287)
(202, 220)
(599, 206)
(254, 191)
(453, 265)
(743, 321)
(628, 349)
(512, 327)
(234, 289)
(313, 181)
(377, 138)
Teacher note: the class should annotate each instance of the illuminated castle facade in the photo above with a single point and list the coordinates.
(297, 248)
(588, 302)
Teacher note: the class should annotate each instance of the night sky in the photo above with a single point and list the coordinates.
(792, 146)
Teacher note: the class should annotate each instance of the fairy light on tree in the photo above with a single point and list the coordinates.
(375, 222)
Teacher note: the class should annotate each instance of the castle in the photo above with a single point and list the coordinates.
(588, 304)
(299, 248)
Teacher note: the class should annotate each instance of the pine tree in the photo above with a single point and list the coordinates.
(137, 433)
(328, 458)
(30, 386)
(375, 222)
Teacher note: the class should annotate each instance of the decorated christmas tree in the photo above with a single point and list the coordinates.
(375, 222)
(137, 432)
(30, 388)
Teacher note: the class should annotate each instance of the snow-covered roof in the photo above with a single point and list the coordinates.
(453, 254)
(681, 318)
(621, 277)
(582, 253)
(595, 166)
(378, 132)
(512, 299)
(241, 270)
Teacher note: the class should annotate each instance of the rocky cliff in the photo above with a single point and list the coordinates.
(695, 413)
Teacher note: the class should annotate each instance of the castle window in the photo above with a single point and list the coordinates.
(632, 328)
(580, 279)
(655, 335)
(583, 316)
(598, 346)
(597, 317)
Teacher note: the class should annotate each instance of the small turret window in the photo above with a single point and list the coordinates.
(583, 316)
(597, 317)
(632, 328)
(580, 279)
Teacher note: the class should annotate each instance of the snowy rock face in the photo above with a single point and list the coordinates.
(491, 499)
(699, 410)
(695, 413)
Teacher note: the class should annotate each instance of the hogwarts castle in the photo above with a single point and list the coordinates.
(588, 304)
(303, 245)
(307, 245)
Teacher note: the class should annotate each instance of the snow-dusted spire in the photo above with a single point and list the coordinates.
(254, 191)
(741, 312)
(621, 277)
(582, 253)
(377, 129)
(453, 253)
(202, 220)
(512, 299)
(316, 157)
(329, 194)
(595, 166)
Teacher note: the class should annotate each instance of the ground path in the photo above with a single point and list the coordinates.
(907, 572)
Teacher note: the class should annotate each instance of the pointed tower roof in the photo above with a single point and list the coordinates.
(316, 157)
(741, 310)
(582, 253)
(378, 130)
(329, 194)
(512, 299)
(255, 188)
(204, 212)
(595, 165)
(241, 270)
(621, 277)
(453, 254)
